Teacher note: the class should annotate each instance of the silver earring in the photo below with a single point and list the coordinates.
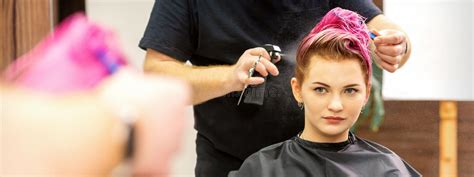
(301, 105)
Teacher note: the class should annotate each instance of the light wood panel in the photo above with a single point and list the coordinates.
(7, 33)
(33, 23)
(24, 24)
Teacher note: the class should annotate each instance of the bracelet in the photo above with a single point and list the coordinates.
(128, 116)
(406, 48)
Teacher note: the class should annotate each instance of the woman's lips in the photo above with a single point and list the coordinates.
(333, 119)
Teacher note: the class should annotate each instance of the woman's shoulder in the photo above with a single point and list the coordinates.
(275, 151)
(265, 161)
(390, 156)
(372, 146)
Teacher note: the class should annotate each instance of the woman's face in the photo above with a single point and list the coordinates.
(333, 93)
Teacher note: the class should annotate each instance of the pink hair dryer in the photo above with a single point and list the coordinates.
(75, 57)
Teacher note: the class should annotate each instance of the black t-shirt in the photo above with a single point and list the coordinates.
(298, 157)
(216, 32)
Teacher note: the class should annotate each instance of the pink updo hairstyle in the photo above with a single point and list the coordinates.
(341, 34)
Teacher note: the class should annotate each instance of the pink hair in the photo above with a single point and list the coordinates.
(340, 34)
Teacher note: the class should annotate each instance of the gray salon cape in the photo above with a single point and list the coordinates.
(300, 158)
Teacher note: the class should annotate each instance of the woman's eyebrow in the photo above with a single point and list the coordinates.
(351, 85)
(326, 85)
(320, 83)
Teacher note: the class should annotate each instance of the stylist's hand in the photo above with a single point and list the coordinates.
(159, 105)
(240, 70)
(390, 47)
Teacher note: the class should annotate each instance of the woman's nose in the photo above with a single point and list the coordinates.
(335, 104)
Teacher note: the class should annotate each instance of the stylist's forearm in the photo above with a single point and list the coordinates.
(207, 82)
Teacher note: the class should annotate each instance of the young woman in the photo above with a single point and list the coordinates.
(332, 84)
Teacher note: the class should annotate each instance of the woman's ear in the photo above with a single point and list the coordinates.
(296, 89)
(367, 94)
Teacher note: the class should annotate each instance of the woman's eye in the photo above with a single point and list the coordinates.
(320, 90)
(351, 90)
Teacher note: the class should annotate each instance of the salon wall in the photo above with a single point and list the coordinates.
(128, 18)
(442, 63)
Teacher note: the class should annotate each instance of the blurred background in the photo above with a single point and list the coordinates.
(429, 103)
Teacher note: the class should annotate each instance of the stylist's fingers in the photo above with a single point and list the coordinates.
(245, 79)
(265, 60)
(389, 37)
(256, 57)
(389, 59)
(388, 67)
(259, 51)
(270, 67)
(244, 74)
(261, 68)
(254, 80)
(391, 50)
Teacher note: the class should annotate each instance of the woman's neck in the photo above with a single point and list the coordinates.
(317, 136)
